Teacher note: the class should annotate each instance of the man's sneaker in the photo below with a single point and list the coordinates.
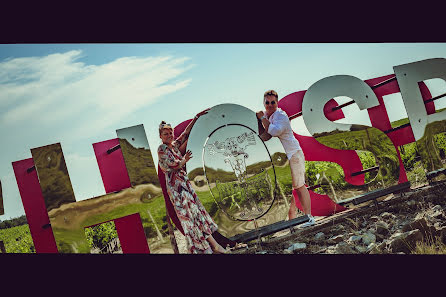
(311, 222)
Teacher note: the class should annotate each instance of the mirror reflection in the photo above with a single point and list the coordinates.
(69, 217)
(236, 176)
(239, 172)
(376, 152)
(432, 148)
(53, 176)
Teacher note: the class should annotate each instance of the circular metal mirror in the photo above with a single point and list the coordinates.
(239, 172)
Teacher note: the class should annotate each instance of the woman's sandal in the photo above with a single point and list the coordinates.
(239, 245)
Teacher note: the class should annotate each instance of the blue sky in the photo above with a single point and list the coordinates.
(79, 94)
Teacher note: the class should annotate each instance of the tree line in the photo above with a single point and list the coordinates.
(13, 222)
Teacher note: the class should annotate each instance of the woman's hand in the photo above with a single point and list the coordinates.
(259, 114)
(188, 155)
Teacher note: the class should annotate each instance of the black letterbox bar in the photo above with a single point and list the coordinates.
(112, 149)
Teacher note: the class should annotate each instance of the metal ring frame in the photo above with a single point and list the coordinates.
(274, 170)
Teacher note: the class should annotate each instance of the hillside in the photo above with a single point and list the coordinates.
(139, 163)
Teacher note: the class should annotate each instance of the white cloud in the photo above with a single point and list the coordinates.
(57, 98)
(57, 88)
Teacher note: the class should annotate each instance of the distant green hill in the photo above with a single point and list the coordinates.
(139, 163)
(400, 122)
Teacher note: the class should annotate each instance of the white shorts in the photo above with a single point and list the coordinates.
(297, 166)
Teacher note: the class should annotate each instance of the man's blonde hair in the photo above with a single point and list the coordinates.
(271, 93)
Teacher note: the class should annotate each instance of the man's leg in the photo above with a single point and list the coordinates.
(297, 166)
(304, 199)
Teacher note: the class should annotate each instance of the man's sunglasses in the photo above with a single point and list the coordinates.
(272, 102)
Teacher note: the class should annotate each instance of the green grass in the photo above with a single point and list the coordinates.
(431, 247)
(67, 238)
(17, 239)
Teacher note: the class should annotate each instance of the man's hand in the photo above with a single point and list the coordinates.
(259, 114)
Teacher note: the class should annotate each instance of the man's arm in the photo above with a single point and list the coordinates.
(265, 123)
(276, 127)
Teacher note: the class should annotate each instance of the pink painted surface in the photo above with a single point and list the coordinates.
(321, 205)
(330, 114)
(292, 104)
(115, 178)
(131, 235)
(34, 205)
(111, 166)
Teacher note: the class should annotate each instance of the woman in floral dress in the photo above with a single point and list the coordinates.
(197, 224)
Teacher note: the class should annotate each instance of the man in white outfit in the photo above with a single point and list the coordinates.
(276, 123)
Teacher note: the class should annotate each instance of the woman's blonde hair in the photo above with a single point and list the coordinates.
(164, 125)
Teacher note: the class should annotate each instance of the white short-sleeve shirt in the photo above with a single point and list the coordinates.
(280, 127)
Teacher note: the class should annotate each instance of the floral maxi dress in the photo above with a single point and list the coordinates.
(195, 220)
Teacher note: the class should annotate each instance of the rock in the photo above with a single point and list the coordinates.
(373, 248)
(319, 236)
(261, 252)
(336, 239)
(387, 215)
(382, 228)
(297, 246)
(441, 234)
(437, 208)
(404, 242)
(419, 223)
(331, 250)
(354, 239)
(361, 249)
(287, 251)
(368, 238)
(382, 245)
(374, 218)
(431, 217)
(423, 225)
(343, 248)
(411, 202)
(380, 237)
